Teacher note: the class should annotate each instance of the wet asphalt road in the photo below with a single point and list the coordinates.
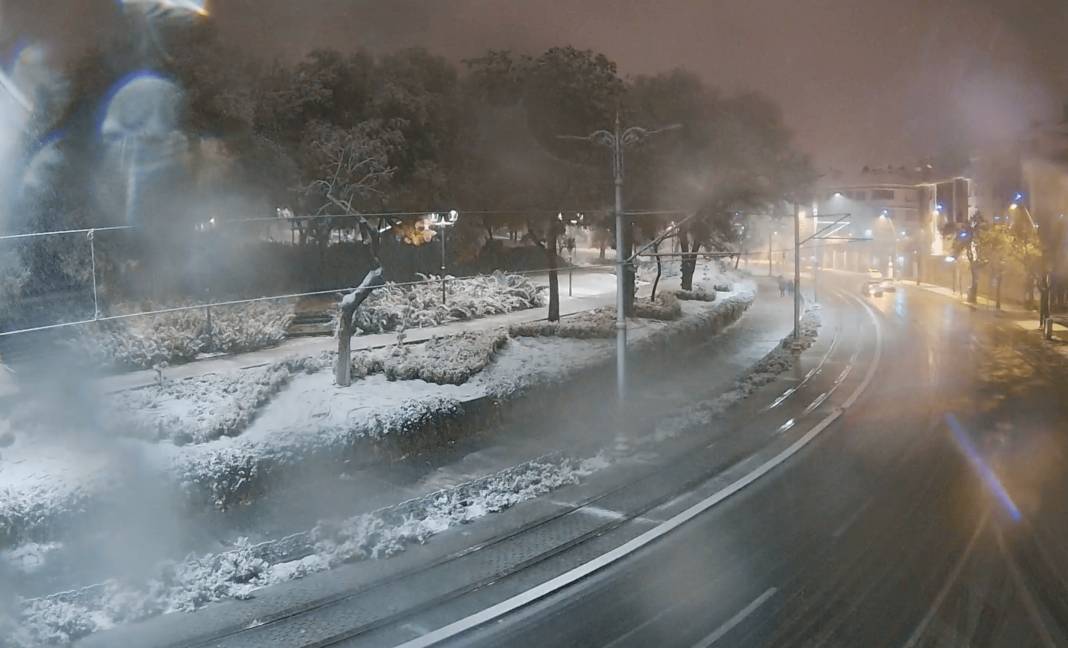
(932, 513)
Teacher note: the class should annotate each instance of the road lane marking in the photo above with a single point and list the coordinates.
(816, 403)
(594, 565)
(736, 619)
(842, 376)
(789, 392)
(852, 518)
(645, 624)
(1025, 593)
(917, 634)
(780, 399)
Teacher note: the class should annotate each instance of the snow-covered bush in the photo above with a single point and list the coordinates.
(447, 360)
(599, 323)
(697, 294)
(204, 408)
(665, 307)
(189, 584)
(143, 342)
(416, 306)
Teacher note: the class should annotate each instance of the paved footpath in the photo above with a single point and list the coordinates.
(591, 289)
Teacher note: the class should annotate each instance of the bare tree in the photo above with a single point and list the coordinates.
(352, 169)
(346, 312)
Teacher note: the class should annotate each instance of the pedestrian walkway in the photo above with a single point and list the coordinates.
(590, 290)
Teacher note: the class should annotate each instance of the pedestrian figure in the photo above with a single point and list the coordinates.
(782, 286)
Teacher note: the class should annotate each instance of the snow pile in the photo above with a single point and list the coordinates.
(203, 408)
(665, 307)
(599, 323)
(449, 360)
(416, 306)
(190, 584)
(144, 342)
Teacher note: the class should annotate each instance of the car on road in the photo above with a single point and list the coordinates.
(888, 285)
(871, 289)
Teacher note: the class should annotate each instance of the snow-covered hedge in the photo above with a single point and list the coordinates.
(190, 584)
(599, 323)
(697, 294)
(144, 342)
(665, 307)
(416, 306)
(777, 362)
(446, 360)
(204, 408)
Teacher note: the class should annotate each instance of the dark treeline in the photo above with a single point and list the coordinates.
(353, 133)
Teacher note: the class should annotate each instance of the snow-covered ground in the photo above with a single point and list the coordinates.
(219, 440)
(185, 585)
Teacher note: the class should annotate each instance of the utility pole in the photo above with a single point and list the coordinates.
(621, 266)
(617, 140)
(797, 272)
(769, 252)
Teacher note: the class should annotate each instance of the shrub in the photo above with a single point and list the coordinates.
(416, 306)
(600, 323)
(143, 342)
(666, 307)
(448, 360)
(697, 294)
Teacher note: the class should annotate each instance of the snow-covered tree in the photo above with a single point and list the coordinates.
(346, 311)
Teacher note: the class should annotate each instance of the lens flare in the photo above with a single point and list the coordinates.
(197, 7)
(986, 473)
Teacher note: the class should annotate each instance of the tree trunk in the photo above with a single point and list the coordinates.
(659, 271)
(973, 289)
(1044, 304)
(689, 260)
(554, 281)
(346, 313)
(997, 290)
(343, 368)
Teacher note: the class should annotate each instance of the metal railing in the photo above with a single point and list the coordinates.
(316, 293)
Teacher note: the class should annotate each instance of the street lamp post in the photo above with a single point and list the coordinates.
(1043, 306)
(797, 272)
(617, 140)
(444, 222)
(893, 243)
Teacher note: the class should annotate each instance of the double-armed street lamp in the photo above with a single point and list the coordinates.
(618, 140)
(444, 222)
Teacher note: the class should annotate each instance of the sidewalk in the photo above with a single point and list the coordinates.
(591, 289)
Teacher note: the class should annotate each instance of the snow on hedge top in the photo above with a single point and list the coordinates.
(416, 306)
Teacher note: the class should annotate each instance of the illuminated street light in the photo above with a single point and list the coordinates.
(444, 222)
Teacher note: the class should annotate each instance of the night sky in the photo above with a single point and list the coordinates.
(860, 82)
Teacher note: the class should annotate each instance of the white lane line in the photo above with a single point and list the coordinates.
(786, 426)
(852, 518)
(620, 639)
(778, 401)
(576, 574)
(917, 634)
(1025, 593)
(819, 368)
(842, 376)
(736, 619)
(816, 403)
